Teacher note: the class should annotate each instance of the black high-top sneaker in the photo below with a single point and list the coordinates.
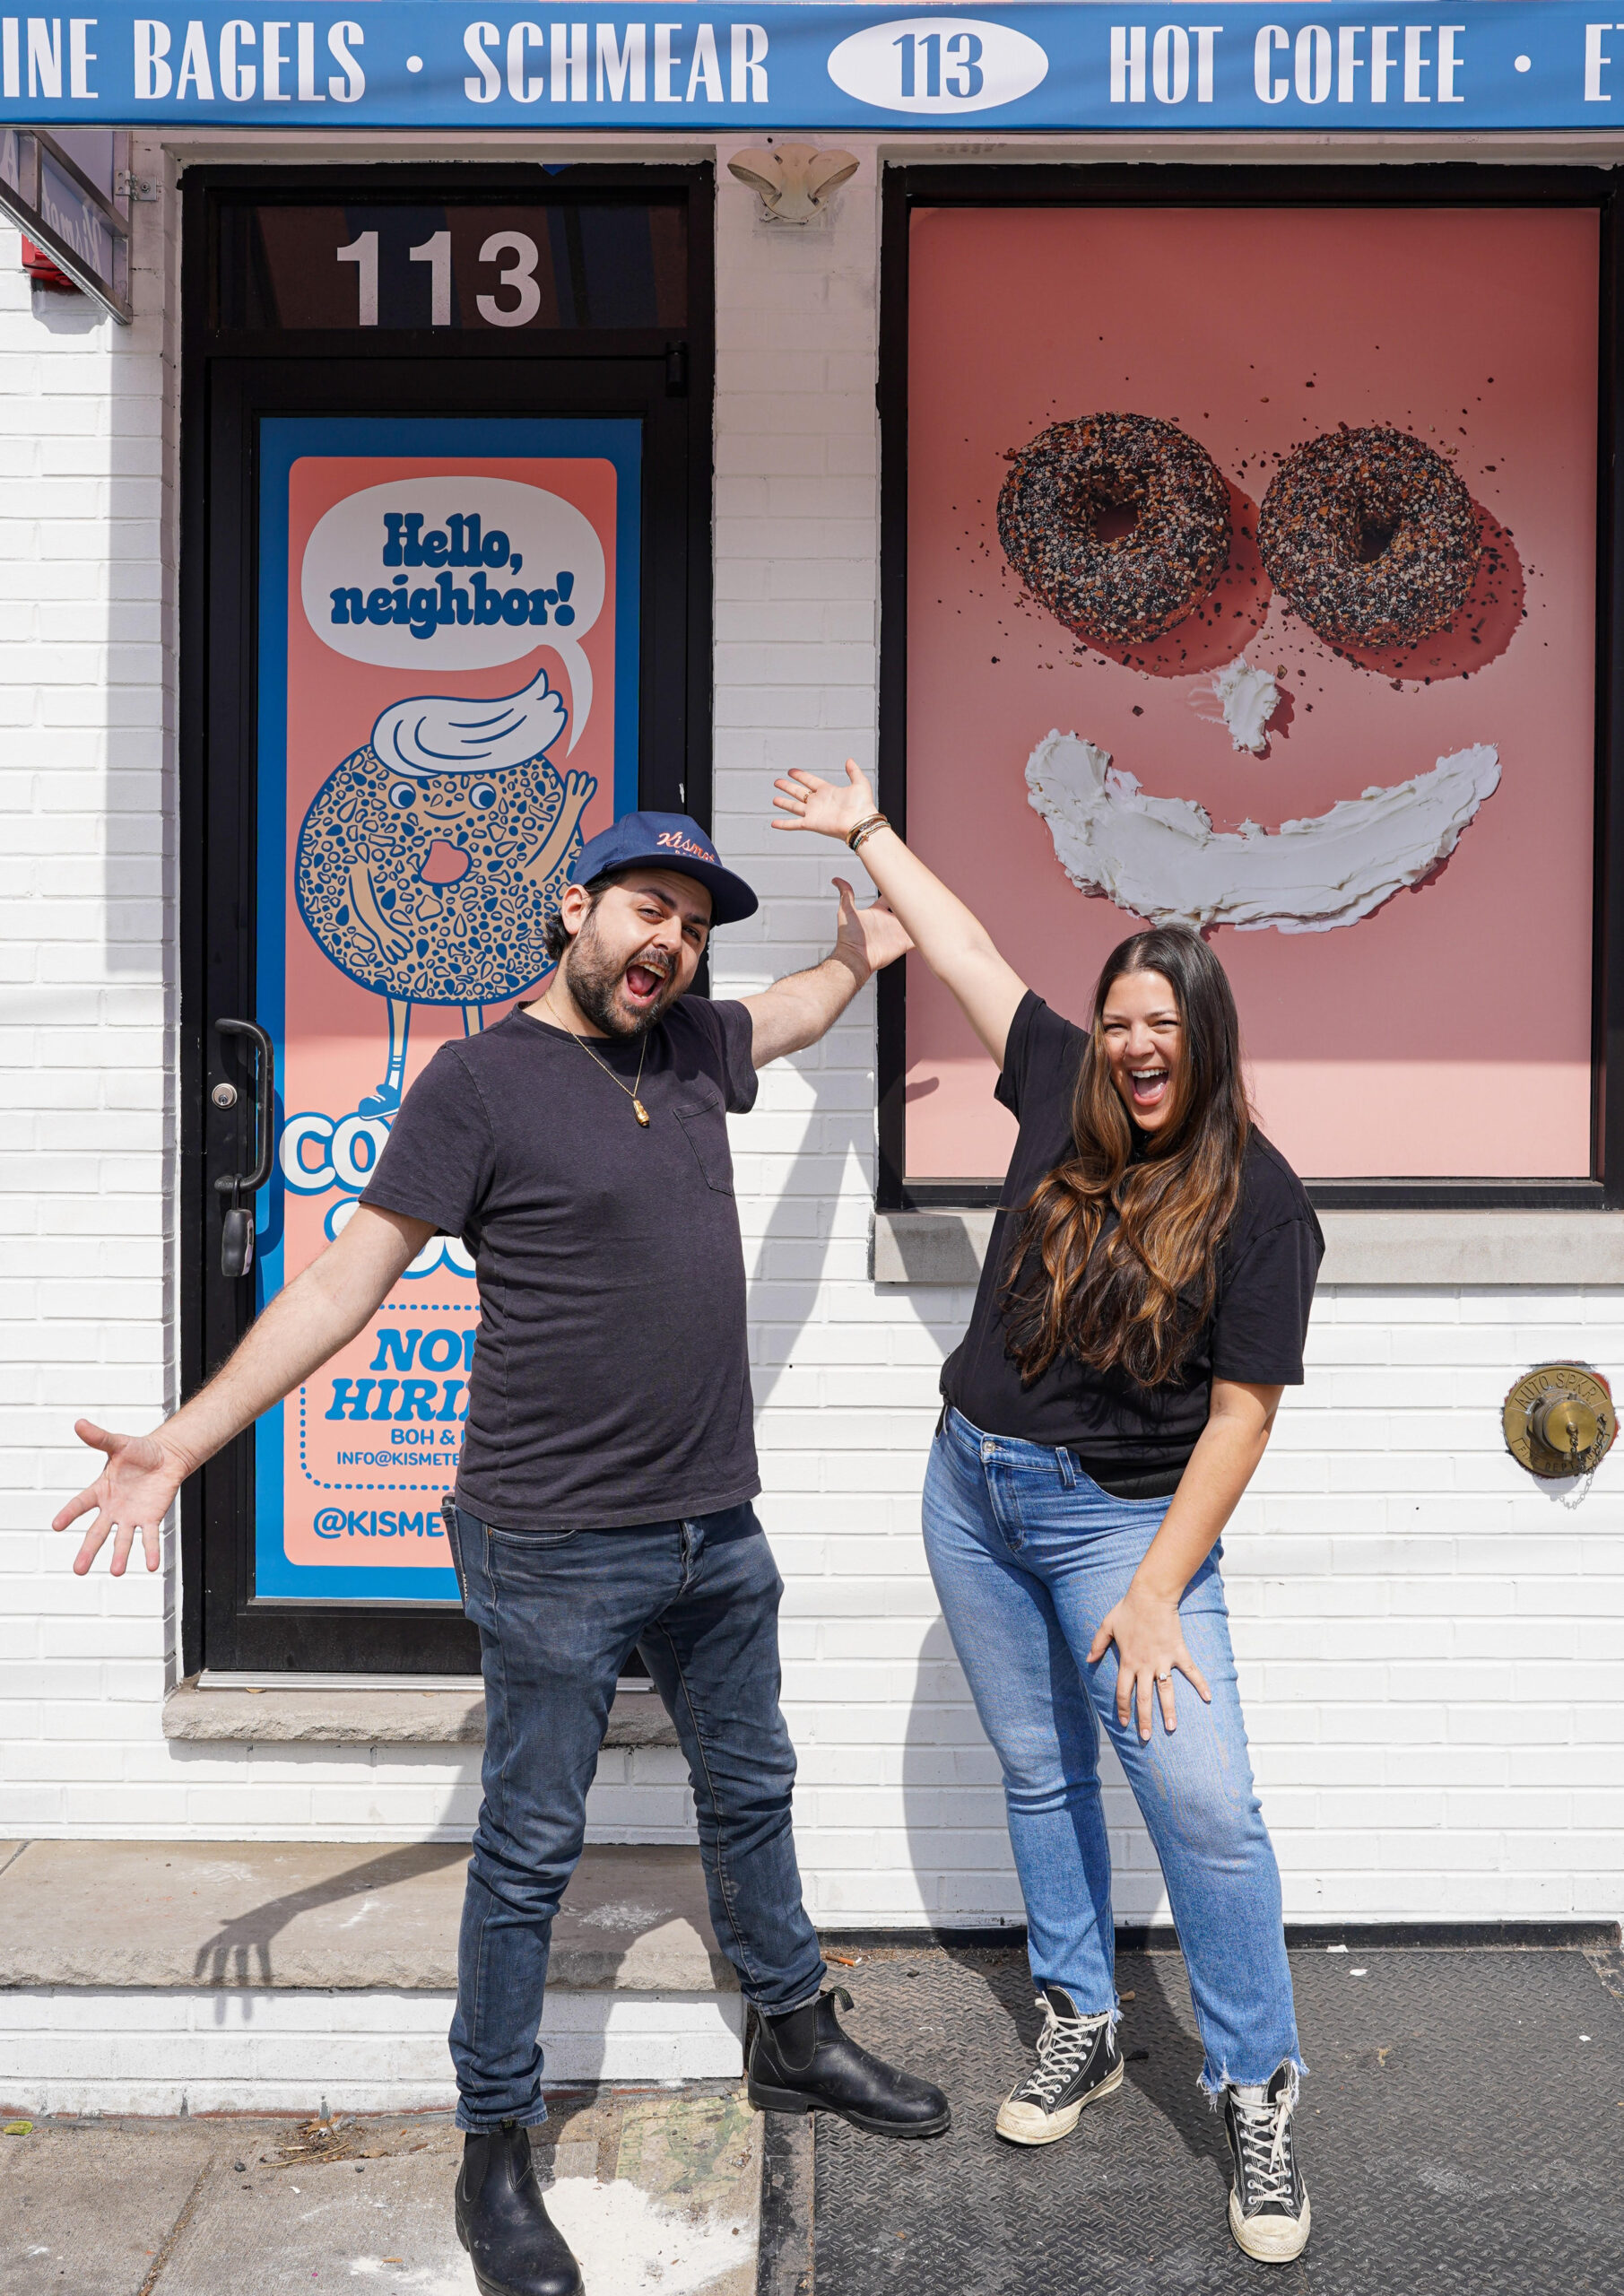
(514, 2246)
(1078, 2061)
(804, 2064)
(1269, 2212)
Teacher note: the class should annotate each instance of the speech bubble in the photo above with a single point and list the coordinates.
(459, 572)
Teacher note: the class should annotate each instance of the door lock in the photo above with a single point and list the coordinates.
(224, 1096)
(1559, 1421)
(237, 1226)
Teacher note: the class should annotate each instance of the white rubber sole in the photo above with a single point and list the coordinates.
(1270, 2239)
(1025, 2125)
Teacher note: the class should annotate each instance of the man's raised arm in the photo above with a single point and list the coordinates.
(802, 1006)
(310, 1320)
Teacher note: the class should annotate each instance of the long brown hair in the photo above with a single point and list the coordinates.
(1136, 1304)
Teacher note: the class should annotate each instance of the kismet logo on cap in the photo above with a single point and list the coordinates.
(676, 840)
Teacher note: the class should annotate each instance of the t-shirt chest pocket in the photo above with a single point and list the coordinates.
(704, 1120)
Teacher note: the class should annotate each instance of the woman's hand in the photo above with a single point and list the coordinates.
(814, 804)
(1149, 1647)
(950, 939)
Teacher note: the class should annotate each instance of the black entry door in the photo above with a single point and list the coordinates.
(445, 441)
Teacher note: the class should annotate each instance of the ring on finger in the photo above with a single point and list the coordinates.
(1164, 1678)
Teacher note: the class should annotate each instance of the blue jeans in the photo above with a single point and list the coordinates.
(1029, 1555)
(558, 1614)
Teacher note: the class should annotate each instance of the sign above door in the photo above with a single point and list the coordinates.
(1038, 64)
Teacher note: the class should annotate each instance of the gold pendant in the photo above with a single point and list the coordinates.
(641, 1112)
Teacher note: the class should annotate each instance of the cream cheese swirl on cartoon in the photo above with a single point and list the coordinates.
(429, 859)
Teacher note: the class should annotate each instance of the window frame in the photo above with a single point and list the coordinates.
(1372, 183)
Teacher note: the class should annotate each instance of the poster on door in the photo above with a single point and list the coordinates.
(447, 709)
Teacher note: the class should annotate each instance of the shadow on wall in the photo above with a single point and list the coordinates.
(953, 1799)
(953, 1809)
(792, 1252)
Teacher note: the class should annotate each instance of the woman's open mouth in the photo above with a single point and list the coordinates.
(1148, 1086)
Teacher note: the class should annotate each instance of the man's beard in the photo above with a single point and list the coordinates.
(592, 979)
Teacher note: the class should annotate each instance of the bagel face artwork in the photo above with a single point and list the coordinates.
(448, 678)
(1346, 748)
(1368, 534)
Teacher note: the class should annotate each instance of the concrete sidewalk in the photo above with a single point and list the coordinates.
(655, 2191)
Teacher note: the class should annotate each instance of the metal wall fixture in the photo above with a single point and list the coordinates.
(1559, 1421)
(794, 180)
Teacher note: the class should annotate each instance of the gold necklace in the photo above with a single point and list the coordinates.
(630, 1090)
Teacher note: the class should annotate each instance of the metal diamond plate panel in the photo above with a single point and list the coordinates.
(1458, 2133)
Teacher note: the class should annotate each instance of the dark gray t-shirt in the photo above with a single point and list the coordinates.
(611, 1381)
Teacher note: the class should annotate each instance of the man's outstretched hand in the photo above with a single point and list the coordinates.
(131, 1496)
(871, 938)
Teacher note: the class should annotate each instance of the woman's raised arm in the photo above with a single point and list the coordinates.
(950, 939)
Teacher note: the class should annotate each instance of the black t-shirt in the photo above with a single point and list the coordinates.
(611, 1381)
(1137, 1437)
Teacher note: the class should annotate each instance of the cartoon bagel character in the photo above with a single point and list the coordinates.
(430, 860)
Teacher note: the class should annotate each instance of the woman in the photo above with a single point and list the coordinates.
(1143, 1305)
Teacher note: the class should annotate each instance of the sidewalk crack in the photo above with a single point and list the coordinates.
(167, 2249)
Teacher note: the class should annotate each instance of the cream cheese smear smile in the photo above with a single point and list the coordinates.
(1161, 858)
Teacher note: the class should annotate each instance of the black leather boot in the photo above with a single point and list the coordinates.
(501, 2219)
(804, 2064)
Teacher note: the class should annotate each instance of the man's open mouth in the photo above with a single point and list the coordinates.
(644, 982)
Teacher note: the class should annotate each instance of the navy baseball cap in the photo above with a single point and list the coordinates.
(666, 842)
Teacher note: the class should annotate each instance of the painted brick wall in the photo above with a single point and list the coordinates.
(1425, 1636)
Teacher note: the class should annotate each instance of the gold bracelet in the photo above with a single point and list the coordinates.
(864, 830)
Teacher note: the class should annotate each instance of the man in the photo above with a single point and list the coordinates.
(607, 1469)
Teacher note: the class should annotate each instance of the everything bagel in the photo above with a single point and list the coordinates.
(1371, 537)
(1125, 590)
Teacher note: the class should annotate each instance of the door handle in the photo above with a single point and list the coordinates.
(237, 1227)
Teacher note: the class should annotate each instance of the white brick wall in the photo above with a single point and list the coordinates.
(1426, 1638)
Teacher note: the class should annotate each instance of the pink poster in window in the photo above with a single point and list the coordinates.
(1389, 837)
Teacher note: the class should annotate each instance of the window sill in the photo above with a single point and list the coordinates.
(1373, 1249)
(365, 1716)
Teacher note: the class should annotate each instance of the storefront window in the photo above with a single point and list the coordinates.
(1252, 581)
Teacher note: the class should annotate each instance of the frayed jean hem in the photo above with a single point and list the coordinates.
(1213, 2084)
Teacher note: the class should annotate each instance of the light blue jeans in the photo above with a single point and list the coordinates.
(1029, 1555)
